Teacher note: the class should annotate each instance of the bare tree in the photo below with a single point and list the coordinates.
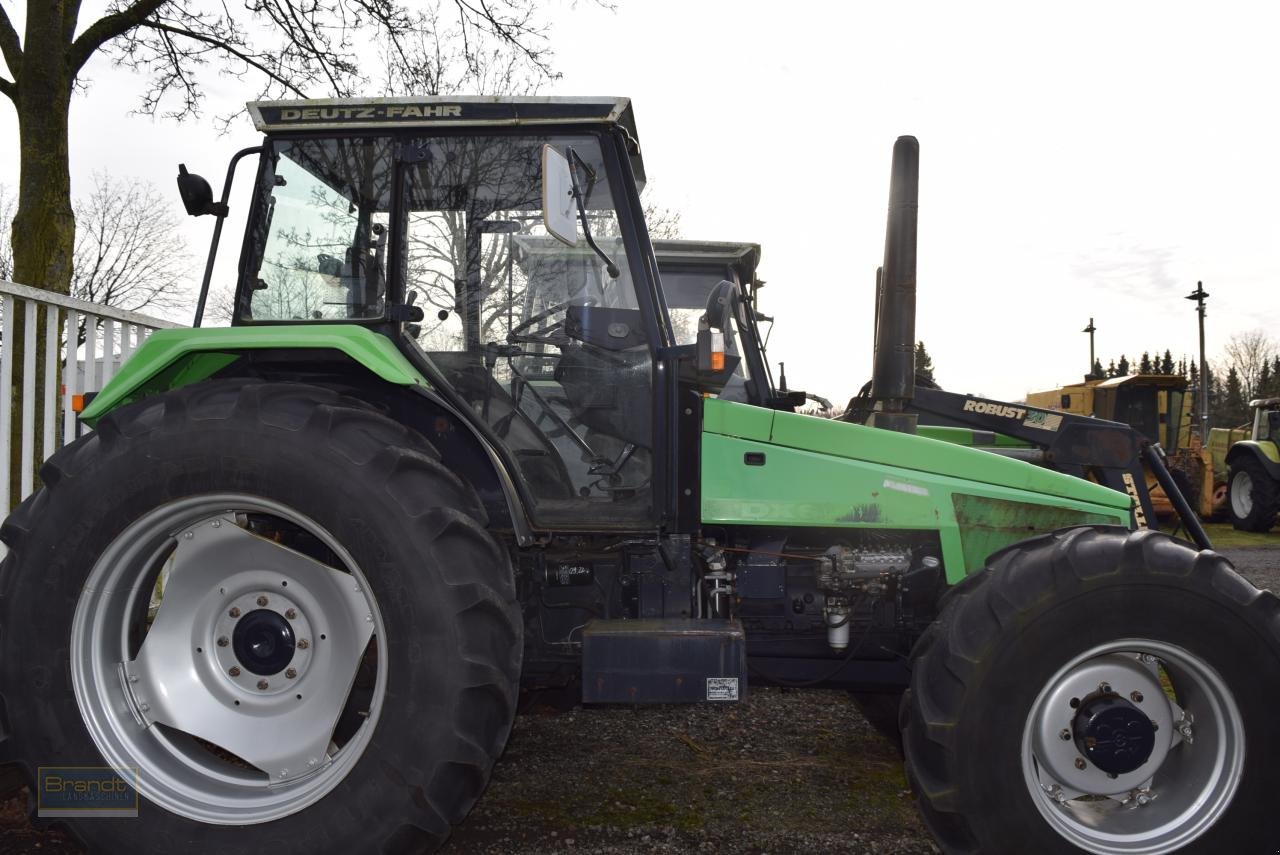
(128, 251)
(663, 222)
(1247, 353)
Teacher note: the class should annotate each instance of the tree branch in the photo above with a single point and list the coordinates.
(223, 46)
(10, 46)
(8, 89)
(109, 27)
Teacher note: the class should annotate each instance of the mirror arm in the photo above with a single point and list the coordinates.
(220, 211)
(582, 213)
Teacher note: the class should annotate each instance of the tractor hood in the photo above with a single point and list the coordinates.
(899, 450)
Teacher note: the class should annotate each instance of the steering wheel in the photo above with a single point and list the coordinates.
(520, 332)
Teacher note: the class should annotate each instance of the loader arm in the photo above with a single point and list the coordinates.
(1108, 452)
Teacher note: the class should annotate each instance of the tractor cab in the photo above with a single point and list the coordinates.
(425, 221)
(1266, 420)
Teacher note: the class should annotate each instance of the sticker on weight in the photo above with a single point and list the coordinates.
(722, 688)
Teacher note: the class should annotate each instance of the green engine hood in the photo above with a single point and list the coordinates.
(899, 450)
(765, 468)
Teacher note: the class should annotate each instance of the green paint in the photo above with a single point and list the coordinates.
(171, 359)
(988, 524)
(965, 436)
(737, 419)
(822, 473)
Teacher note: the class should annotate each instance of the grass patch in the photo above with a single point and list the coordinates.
(1223, 536)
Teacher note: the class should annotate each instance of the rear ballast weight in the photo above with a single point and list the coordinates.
(443, 453)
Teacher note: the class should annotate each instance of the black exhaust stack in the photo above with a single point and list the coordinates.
(893, 378)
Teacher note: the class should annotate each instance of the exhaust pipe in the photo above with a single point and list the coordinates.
(893, 378)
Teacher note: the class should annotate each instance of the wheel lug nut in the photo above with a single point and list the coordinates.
(223, 641)
(291, 673)
(303, 644)
(234, 670)
(235, 611)
(291, 614)
(1155, 725)
(262, 601)
(1105, 688)
(1080, 764)
(1136, 696)
(1065, 736)
(262, 684)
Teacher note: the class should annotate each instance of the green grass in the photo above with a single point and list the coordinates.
(1224, 536)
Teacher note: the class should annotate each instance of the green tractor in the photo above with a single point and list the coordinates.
(290, 584)
(1253, 474)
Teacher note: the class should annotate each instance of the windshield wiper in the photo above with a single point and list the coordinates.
(582, 208)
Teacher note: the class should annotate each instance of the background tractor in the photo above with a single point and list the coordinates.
(454, 441)
(1253, 468)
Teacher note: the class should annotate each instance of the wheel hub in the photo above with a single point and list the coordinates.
(1113, 734)
(262, 638)
(263, 642)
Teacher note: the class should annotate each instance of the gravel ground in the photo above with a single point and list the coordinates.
(785, 772)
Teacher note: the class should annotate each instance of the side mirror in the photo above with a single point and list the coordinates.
(197, 195)
(558, 207)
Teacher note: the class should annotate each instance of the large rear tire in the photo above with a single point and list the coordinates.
(213, 530)
(1253, 496)
(1052, 689)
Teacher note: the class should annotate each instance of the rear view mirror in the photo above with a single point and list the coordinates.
(558, 206)
(197, 195)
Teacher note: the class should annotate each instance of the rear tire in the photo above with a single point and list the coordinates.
(1253, 496)
(1010, 635)
(439, 586)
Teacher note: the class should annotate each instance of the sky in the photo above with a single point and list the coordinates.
(1084, 160)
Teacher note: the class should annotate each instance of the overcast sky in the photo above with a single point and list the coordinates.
(1090, 159)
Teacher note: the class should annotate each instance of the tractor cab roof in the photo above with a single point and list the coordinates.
(743, 258)
(460, 111)
(1265, 403)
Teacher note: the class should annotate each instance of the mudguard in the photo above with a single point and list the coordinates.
(173, 358)
(1265, 453)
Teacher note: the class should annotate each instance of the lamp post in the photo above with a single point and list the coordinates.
(1091, 329)
(1199, 296)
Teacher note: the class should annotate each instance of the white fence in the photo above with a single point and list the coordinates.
(110, 337)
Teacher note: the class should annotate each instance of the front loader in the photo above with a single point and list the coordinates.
(289, 585)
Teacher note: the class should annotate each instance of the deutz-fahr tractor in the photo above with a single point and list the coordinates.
(294, 577)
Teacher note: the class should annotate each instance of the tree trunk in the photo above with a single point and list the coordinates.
(43, 235)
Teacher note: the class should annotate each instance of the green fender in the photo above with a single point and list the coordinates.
(174, 358)
(1265, 453)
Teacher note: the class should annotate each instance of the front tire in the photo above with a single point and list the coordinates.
(1253, 496)
(156, 540)
(1035, 665)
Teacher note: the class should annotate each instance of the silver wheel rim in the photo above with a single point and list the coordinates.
(1188, 780)
(1242, 494)
(213, 739)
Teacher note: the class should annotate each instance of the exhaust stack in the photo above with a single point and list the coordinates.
(894, 372)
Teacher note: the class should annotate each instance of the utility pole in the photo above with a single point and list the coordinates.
(1199, 296)
(1091, 329)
